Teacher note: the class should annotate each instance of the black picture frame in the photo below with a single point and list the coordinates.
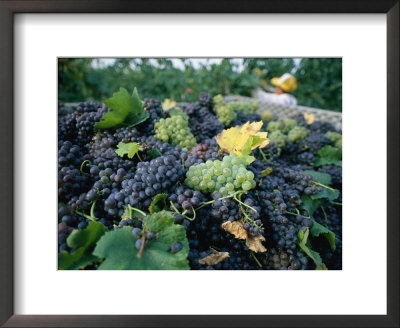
(7, 201)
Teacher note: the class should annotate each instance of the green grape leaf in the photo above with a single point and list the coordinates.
(330, 194)
(158, 204)
(318, 229)
(311, 205)
(178, 112)
(118, 247)
(130, 149)
(84, 241)
(247, 160)
(130, 213)
(305, 245)
(252, 143)
(323, 178)
(127, 213)
(126, 111)
(329, 155)
(154, 153)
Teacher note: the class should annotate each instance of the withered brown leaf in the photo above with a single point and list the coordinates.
(254, 243)
(214, 258)
(235, 228)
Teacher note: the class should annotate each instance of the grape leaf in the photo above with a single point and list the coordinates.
(158, 204)
(130, 149)
(329, 155)
(311, 205)
(240, 140)
(254, 243)
(214, 258)
(236, 229)
(309, 118)
(83, 240)
(130, 213)
(330, 194)
(127, 213)
(318, 229)
(126, 111)
(118, 247)
(323, 178)
(252, 143)
(305, 245)
(168, 104)
(154, 153)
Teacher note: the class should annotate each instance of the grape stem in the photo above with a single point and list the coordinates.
(263, 155)
(298, 213)
(83, 163)
(183, 213)
(325, 216)
(85, 216)
(212, 201)
(323, 186)
(336, 203)
(139, 254)
(90, 217)
(136, 209)
(240, 202)
(256, 259)
(92, 209)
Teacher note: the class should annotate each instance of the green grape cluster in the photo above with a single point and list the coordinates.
(267, 116)
(278, 137)
(286, 129)
(226, 176)
(218, 100)
(288, 124)
(227, 111)
(246, 107)
(175, 130)
(297, 134)
(335, 138)
(284, 125)
(275, 126)
(225, 114)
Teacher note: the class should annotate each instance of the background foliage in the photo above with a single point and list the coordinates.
(80, 79)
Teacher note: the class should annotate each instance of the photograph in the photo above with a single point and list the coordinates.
(199, 163)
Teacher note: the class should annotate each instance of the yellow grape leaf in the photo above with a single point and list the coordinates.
(168, 103)
(236, 229)
(214, 258)
(240, 140)
(309, 118)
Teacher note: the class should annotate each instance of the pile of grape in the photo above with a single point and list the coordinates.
(176, 200)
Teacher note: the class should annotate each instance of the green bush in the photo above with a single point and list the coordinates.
(79, 79)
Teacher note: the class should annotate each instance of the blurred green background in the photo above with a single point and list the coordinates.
(80, 79)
